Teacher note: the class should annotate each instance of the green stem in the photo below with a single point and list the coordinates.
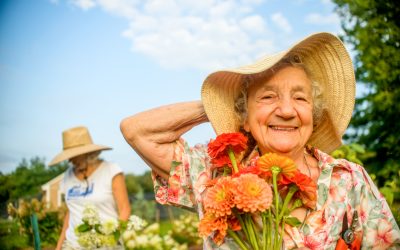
(250, 229)
(274, 181)
(225, 172)
(292, 191)
(264, 233)
(242, 224)
(297, 203)
(233, 160)
(281, 234)
(269, 241)
(237, 239)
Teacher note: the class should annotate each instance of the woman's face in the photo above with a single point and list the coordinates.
(79, 162)
(280, 112)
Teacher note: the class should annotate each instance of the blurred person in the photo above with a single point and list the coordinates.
(89, 180)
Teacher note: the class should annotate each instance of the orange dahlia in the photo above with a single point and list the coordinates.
(218, 148)
(212, 224)
(307, 189)
(269, 160)
(219, 198)
(252, 193)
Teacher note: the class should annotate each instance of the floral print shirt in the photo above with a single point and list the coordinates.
(343, 186)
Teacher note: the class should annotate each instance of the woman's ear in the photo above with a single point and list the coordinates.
(246, 126)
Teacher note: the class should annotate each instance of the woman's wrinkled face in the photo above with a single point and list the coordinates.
(280, 112)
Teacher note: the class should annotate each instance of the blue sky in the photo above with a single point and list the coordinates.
(94, 62)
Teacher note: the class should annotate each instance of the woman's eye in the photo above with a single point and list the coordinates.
(267, 97)
(301, 98)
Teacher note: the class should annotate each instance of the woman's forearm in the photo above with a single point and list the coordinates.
(61, 239)
(164, 124)
(152, 133)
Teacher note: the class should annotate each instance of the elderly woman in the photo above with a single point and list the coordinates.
(296, 103)
(89, 181)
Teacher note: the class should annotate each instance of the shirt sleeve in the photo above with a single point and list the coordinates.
(181, 187)
(114, 169)
(380, 230)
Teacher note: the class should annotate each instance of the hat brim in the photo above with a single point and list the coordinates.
(329, 64)
(76, 151)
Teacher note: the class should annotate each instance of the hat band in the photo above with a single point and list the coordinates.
(74, 145)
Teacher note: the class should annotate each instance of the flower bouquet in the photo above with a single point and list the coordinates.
(252, 204)
(92, 233)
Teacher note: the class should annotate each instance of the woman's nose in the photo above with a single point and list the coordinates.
(285, 108)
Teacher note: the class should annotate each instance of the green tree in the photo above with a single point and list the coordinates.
(26, 180)
(139, 184)
(372, 27)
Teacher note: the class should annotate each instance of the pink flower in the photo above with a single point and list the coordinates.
(382, 236)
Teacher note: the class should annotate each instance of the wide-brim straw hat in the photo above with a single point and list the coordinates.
(76, 141)
(328, 62)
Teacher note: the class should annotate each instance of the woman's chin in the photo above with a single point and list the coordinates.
(282, 148)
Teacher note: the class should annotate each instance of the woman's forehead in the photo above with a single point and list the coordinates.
(293, 79)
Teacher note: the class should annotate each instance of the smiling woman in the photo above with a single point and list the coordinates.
(296, 104)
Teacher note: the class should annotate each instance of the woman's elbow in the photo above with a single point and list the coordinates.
(128, 129)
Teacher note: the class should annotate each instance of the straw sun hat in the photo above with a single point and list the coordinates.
(76, 141)
(329, 63)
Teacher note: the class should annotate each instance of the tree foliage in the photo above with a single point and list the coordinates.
(373, 28)
(26, 180)
(136, 184)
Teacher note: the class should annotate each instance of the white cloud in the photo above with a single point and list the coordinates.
(281, 22)
(253, 23)
(318, 19)
(122, 8)
(326, 1)
(84, 4)
(206, 34)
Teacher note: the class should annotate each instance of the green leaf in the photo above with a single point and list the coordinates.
(174, 164)
(388, 193)
(117, 234)
(358, 148)
(83, 228)
(293, 221)
(97, 228)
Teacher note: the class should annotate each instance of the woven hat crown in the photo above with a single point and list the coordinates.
(75, 137)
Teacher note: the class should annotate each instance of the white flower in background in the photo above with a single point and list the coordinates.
(89, 240)
(142, 240)
(130, 244)
(168, 240)
(152, 229)
(156, 241)
(109, 226)
(128, 235)
(136, 223)
(90, 215)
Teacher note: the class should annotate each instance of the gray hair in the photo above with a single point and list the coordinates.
(291, 60)
(93, 157)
